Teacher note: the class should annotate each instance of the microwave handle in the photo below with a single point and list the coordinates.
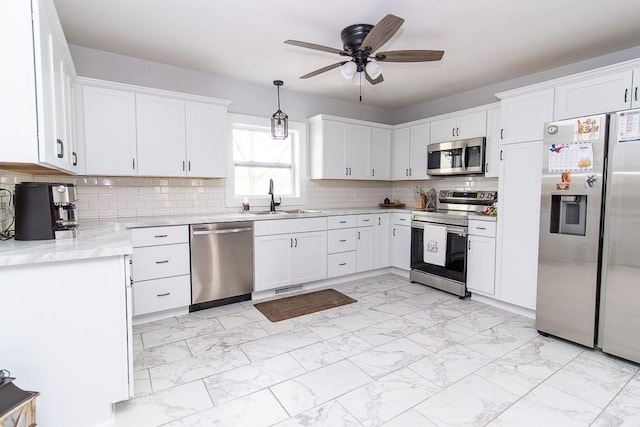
(464, 157)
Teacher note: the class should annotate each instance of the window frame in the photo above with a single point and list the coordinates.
(299, 164)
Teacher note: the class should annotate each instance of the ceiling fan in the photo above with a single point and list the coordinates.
(361, 42)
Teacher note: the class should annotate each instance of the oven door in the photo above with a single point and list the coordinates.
(456, 157)
(455, 267)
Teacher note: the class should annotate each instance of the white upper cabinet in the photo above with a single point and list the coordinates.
(462, 126)
(598, 94)
(206, 140)
(409, 152)
(522, 117)
(380, 154)
(36, 107)
(109, 131)
(492, 151)
(346, 149)
(161, 136)
(153, 133)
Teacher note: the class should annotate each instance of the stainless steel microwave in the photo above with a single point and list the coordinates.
(461, 157)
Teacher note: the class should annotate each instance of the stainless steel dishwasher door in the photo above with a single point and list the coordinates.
(221, 263)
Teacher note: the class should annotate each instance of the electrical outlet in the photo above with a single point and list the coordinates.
(138, 193)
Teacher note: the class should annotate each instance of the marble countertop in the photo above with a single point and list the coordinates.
(110, 237)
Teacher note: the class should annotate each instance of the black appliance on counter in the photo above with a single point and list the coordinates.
(45, 211)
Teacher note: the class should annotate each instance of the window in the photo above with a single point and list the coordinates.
(257, 158)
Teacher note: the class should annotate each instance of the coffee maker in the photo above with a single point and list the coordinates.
(45, 211)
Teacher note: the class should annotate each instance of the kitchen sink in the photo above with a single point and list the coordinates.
(287, 212)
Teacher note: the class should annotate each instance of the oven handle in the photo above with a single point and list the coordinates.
(461, 231)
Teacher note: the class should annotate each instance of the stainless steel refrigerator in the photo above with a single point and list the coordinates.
(589, 254)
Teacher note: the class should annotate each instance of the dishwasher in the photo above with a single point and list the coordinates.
(221, 263)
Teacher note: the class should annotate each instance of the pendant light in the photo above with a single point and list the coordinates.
(279, 120)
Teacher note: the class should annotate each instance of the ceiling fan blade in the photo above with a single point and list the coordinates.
(375, 81)
(323, 69)
(409, 55)
(381, 32)
(316, 47)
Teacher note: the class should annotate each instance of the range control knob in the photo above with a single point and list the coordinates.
(480, 195)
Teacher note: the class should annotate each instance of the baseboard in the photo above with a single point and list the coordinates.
(504, 305)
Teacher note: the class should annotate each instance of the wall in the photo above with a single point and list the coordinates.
(247, 98)
(486, 95)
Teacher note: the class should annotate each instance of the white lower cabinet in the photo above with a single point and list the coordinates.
(342, 245)
(284, 257)
(401, 241)
(161, 269)
(381, 240)
(366, 254)
(481, 257)
(342, 263)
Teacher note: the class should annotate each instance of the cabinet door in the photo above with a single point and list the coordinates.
(401, 247)
(207, 140)
(418, 154)
(481, 262)
(635, 97)
(380, 154)
(358, 151)
(444, 130)
(161, 136)
(381, 240)
(273, 261)
(309, 256)
(365, 251)
(73, 163)
(109, 131)
(523, 117)
(334, 136)
(471, 125)
(594, 95)
(492, 152)
(518, 223)
(400, 153)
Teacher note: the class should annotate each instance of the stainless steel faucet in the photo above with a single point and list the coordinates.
(272, 206)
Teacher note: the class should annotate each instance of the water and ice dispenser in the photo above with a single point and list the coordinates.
(569, 214)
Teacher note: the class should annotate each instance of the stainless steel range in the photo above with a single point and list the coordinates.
(439, 240)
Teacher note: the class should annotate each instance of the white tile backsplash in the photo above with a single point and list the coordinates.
(120, 197)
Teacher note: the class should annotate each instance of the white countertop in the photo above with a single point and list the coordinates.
(110, 237)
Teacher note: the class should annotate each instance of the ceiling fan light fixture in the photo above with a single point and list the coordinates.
(373, 69)
(348, 69)
(279, 120)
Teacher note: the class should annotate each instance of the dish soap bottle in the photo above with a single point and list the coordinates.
(245, 205)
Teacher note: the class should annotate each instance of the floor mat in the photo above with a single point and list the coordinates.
(298, 305)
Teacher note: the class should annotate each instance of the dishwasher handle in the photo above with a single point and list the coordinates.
(204, 231)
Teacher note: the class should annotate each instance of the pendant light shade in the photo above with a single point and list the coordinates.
(374, 70)
(279, 120)
(348, 69)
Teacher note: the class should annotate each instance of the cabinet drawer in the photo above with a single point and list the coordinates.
(154, 262)
(341, 264)
(343, 221)
(401, 219)
(152, 236)
(285, 226)
(366, 220)
(161, 294)
(482, 228)
(341, 240)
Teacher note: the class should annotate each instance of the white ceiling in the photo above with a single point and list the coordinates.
(485, 42)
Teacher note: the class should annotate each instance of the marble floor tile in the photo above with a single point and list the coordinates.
(410, 418)
(592, 380)
(387, 397)
(346, 310)
(289, 324)
(547, 406)
(152, 326)
(218, 311)
(431, 316)
(141, 383)
(497, 341)
(137, 343)
(430, 298)
(188, 328)
(197, 367)
(414, 288)
(159, 408)
(388, 311)
(633, 386)
(256, 410)
(388, 331)
(240, 318)
(441, 336)
(317, 387)
(484, 318)
(331, 414)
(160, 355)
(248, 379)
(387, 358)
(340, 325)
(624, 410)
(450, 364)
(473, 401)
(387, 297)
(273, 345)
(466, 305)
(329, 351)
(227, 338)
(523, 369)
